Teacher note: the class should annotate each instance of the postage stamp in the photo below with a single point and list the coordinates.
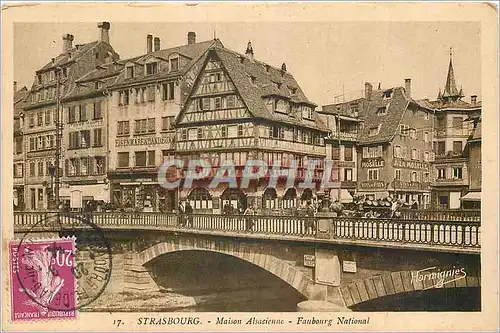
(43, 283)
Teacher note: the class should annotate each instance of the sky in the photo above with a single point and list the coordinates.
(328, 59)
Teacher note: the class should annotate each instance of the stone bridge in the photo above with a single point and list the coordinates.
(378, 259)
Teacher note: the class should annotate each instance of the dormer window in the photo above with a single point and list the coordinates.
(268, 68)
(387, 94)
(130, 72)
(174, 64)
(97, 85)
(152, 68)
(374, 130)
(292, 90)
(382, 110)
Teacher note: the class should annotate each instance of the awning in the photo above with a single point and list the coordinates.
(345, 196)
(472, 196)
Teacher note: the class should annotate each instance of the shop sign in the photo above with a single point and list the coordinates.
(343, 164)
(400, 163)
(373, 184)
(349, 266)
(143, 141)
(373, 163)
(309, 260)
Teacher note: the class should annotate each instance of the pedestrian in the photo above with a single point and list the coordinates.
(180, 214)
(249, 220)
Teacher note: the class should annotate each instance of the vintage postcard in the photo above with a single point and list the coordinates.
(250, 166)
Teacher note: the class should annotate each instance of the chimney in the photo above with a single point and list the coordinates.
(283, 67)
(157, 44)
(67, 42)
(473, 100)
(249, 51)
(408, 87)
(15, 86)
(191, 37)
(104, 31)
(368, 90)
(149, 43)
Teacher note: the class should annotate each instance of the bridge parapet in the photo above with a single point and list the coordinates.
(452, 236)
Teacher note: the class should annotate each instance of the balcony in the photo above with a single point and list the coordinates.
(449, 155)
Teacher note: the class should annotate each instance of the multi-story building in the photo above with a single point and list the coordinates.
(241, 109)
(18, 147)
(452, 129)
(341, 145)
(472, 200)
(394, 143)
(143, 104)
(57, 76)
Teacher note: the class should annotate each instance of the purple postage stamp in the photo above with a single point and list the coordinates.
(43, 284)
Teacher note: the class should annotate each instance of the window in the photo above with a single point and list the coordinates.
(151, 93)
(184, 134)
(99, 164)
(48, 117)
(403, 129)
(151, 125)
(348, 155)
(167, 123)
(40, 143)
(85, 139)
(414, 176)
(123, 128)
(40, 118)
(199, 133)
(426, 136)
(414, 154)
(441, 173)
(457, 147)
(230, 101)
(83, 166)
(97, 85)
(143, 126)
(97, 110)
(397, 151)
(140, 158)
(32, 169)
(130, 72)
(274, 132)
(168, 91)
(347, 174)
(371, 152)
(441, 148)
(413, 133)
(50, 141)
(123, 160)
(426, 177)
(152, 68)
(174, 64)
(205, 103)
(218, 103)
(382, 110)
(18, 171)
(151, 158)
(83, 112)
(32, 144)
(224, 131)
(387, 94)
(457, 123)
(354, 109)
(426, 115)
(98, 137)
(373, 174)
(457, 172)
(397, 174)
(426, 156)
(240, 130)
(18, 145)
(40, 168)
(32, 120)
(124, 97)
(374, 130)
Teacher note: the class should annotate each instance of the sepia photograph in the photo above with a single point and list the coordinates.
(243, 169)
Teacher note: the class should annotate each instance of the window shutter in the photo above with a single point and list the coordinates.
(66, 167)
(365, 152)
(379, 151)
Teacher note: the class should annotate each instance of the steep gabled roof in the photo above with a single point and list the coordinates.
(255, 80)
(76, 53)
(387, 123)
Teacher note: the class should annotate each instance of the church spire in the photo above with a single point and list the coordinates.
(450, 89)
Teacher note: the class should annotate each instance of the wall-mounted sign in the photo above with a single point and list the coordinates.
(327, 269)
(349, 266)
(417, 165)
(309, 260)
(372, 184)
(143, 141)
(373, 163)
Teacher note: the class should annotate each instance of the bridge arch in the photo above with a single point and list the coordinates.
(253, 254)
(374, 287)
